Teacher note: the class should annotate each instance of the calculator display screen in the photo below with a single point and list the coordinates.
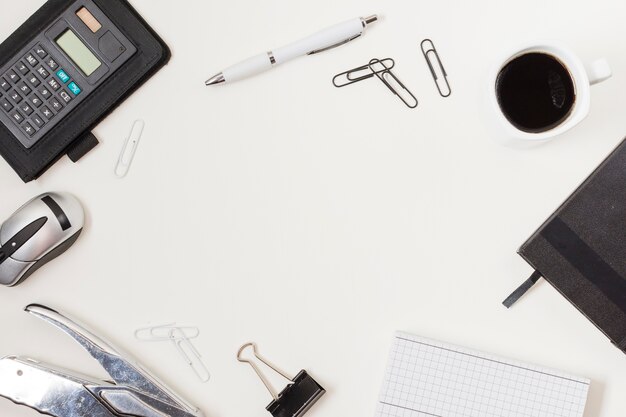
(78, 52)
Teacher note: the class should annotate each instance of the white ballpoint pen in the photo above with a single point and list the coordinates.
(326, 39)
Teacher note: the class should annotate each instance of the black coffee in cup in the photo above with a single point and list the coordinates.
(535, 92)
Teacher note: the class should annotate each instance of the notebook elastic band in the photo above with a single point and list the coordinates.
(523, 289)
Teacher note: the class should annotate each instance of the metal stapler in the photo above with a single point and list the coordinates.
(133, 391)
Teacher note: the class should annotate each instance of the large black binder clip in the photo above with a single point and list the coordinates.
(297, 398)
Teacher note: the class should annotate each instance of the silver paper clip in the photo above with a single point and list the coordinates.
(360, 73)
(130, 148)
(389, 79)
(428, 49)
(381, 69)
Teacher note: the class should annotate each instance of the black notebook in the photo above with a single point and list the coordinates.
(63, 71)
(581, 249)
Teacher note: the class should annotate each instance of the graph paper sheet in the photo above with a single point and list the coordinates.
(425, 378)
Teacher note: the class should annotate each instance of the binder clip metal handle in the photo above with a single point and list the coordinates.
(296, 399)
(256, 368)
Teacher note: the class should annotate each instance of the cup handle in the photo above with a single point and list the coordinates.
(599, 71)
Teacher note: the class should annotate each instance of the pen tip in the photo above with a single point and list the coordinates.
(370, 19)
(217, 79)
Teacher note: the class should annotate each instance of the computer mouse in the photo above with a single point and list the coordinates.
(38, 232)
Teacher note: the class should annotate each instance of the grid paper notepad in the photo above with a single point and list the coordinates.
(425, 378)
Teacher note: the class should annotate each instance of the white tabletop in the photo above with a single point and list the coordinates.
(317, 221)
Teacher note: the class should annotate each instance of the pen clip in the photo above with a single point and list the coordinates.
(317, 51)
(365, 22)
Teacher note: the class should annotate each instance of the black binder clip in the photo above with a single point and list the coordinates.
(297, 398)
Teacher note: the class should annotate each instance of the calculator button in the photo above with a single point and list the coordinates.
(45, 93)
(33, 80)
(74, 88)
(29, 129)
(17, 117)
(54, 84)
(65, 96)
(41, 53)
(6, 104)
(26, 109)
(51, 63)
(37, 121)
(23, 69)
(47, 113)
(35, 101)
(63, 76)
(42, 71)
(12, 75)
(110, 47)
(30, 58)
(4, 84)
(24, 88)
(15, 96)
(55, 104)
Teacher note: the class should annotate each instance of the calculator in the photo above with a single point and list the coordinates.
(59, 69)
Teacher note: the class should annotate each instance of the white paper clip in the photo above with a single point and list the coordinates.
(130, 148)
(180, 337)
(191, 355)
(163, 333)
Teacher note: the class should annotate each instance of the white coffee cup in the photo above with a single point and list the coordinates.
(583, 78)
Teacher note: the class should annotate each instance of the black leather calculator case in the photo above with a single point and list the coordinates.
(72, 136)
(581, 249)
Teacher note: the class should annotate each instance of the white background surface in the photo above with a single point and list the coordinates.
(317, 221)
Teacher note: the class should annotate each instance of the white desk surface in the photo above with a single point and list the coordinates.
(317, 221)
